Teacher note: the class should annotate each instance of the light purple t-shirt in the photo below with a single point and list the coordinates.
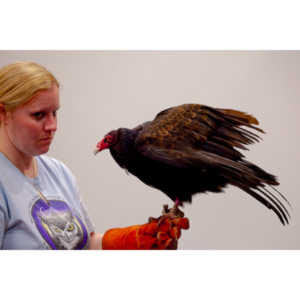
(29, 222)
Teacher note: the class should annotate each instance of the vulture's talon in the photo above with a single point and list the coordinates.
(173, 212)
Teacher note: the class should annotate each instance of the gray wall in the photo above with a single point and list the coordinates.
(103, 90)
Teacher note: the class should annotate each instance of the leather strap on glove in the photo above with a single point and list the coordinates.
(161, 233)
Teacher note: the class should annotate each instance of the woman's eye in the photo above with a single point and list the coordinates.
(38, 115)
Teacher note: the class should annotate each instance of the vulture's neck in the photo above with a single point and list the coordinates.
(124, 151)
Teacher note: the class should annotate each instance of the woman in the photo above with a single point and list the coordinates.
(40, 207)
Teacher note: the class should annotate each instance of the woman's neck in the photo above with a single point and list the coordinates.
(25, 163)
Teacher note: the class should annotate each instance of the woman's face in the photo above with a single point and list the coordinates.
(31, 127)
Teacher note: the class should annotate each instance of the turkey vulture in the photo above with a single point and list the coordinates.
(192, 148)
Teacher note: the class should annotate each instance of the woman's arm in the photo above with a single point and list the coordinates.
(95, 241)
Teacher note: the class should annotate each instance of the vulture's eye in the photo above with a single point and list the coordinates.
(108, 139)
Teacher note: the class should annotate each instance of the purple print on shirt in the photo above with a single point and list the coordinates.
(58, 226)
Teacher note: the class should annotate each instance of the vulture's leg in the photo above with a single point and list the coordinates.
(173, 212)
(177, 202)
(175, 209)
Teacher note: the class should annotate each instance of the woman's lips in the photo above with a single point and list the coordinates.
(47, 139)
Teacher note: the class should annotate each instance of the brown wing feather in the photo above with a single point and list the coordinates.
(176, 127)
(200, 127)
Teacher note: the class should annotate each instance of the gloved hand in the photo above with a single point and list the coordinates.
(161, 233)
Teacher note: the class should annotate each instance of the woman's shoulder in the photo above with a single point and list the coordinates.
(54, 165)
(50, 161)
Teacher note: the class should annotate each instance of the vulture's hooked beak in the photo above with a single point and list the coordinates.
(96, 151)
(100, 146)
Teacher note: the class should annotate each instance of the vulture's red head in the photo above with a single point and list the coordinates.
(108, 141)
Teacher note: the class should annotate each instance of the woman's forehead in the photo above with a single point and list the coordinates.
(45, 99)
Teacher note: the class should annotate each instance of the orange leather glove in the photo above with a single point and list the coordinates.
(161, 233)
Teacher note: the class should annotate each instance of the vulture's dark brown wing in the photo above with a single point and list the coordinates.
(199, 127)
(198, 136)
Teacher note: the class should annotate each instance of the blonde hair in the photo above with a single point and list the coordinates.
(20, 81)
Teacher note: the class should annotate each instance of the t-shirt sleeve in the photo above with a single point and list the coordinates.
(2, 227)
(86, 217)
(3, 218)
(77, 197)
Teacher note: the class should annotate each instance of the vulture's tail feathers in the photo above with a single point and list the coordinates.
(281, 195)
(269, 200)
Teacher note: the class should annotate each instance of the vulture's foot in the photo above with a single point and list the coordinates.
(171, 213)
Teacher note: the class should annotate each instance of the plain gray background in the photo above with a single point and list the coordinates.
(104, 90)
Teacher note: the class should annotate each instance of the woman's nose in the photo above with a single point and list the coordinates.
(51, 123)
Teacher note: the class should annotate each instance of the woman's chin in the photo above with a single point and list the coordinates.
(43, 150)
